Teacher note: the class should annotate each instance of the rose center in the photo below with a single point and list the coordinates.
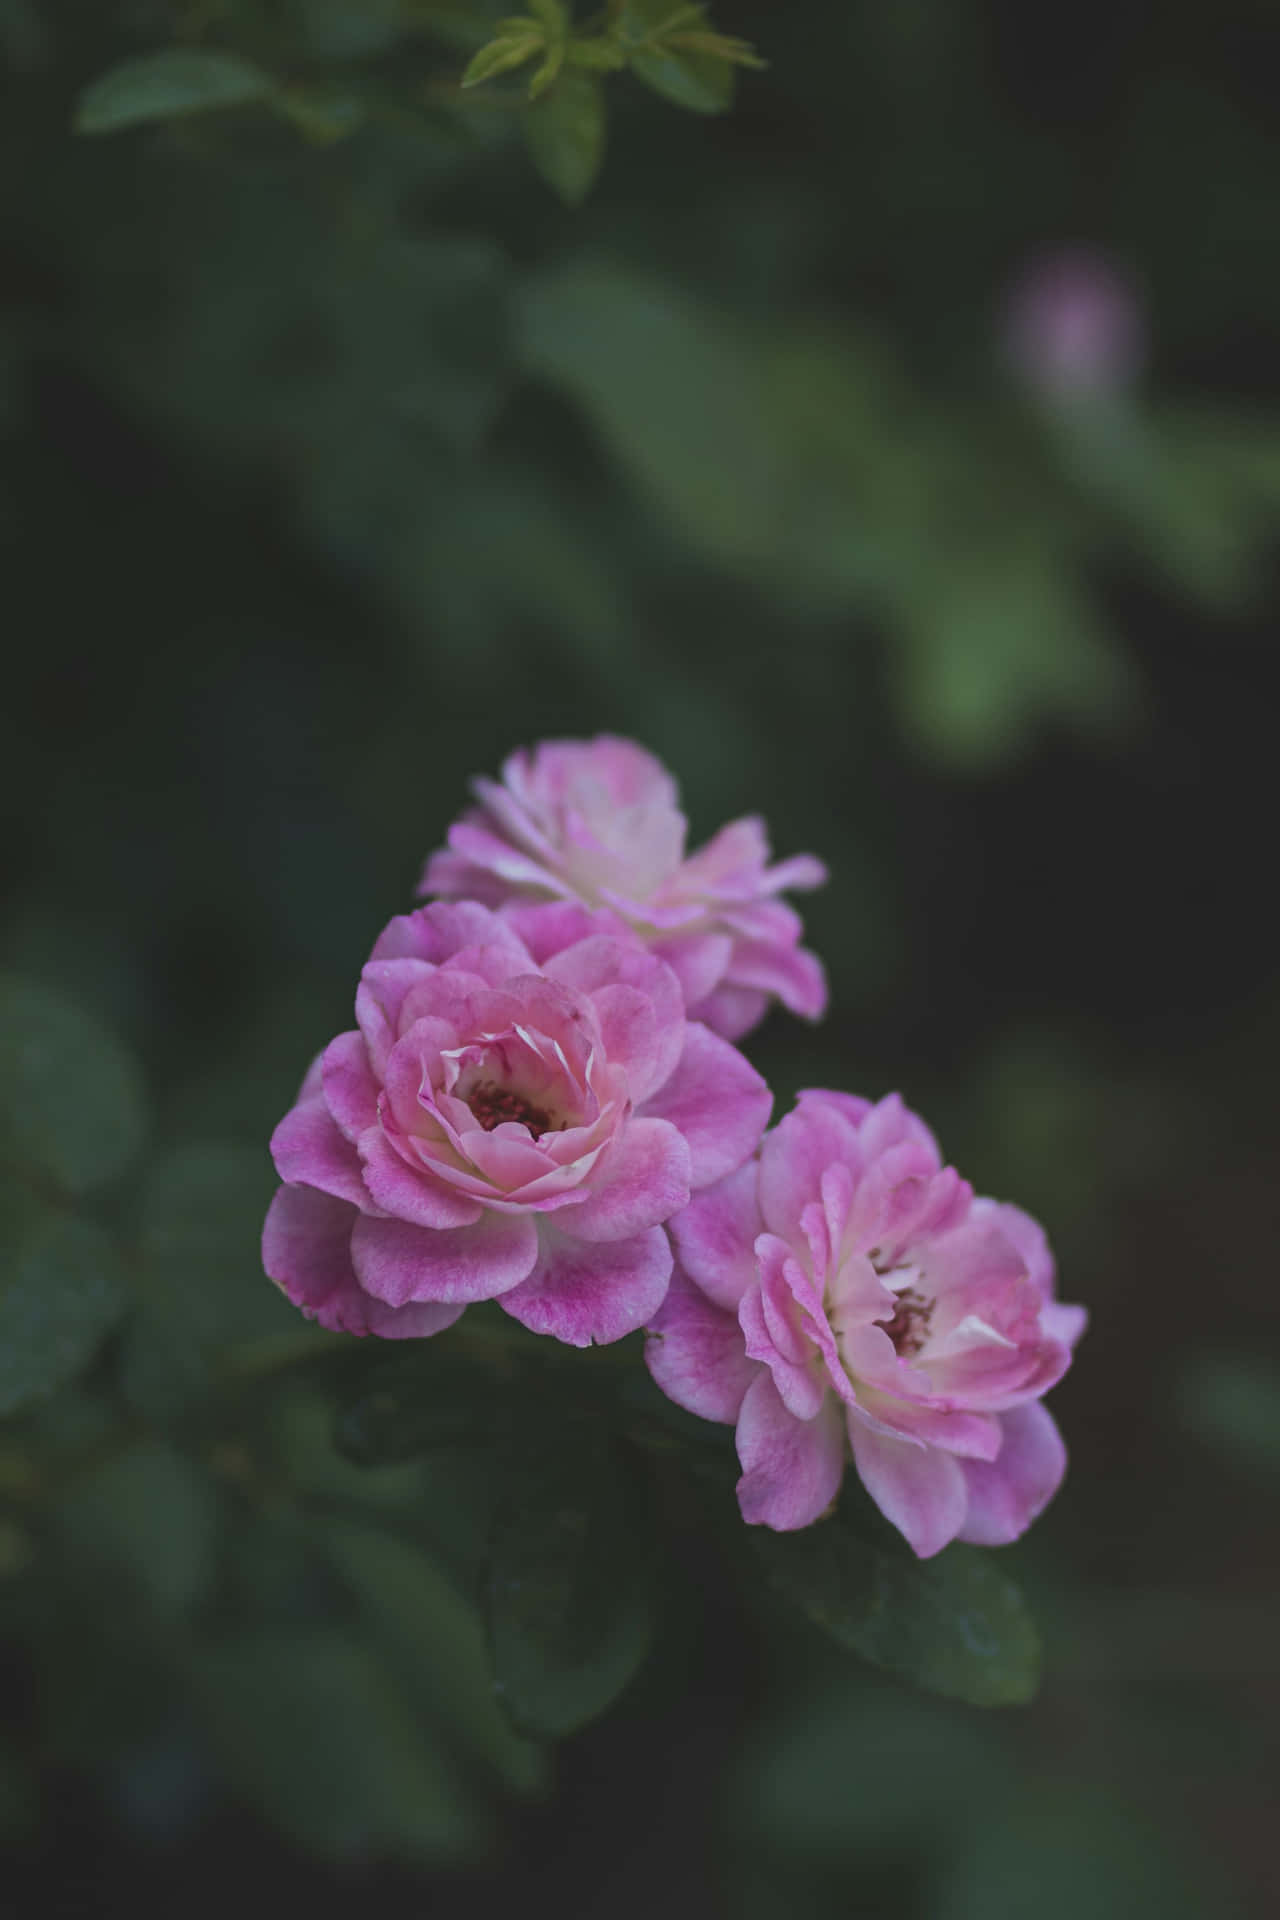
(492, 1104)
(909, 1327)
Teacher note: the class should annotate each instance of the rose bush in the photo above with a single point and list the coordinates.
(597, 822)
(493, 1128)
(847, 1293)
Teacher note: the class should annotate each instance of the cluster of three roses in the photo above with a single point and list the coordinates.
(542, 1103)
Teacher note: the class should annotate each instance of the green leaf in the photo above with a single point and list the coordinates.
(953, 1625)
(414, 1406)
(511, 50)
(697, 81)
(568, 1591)
(165, 85)
(565, 134)
(72, 1102)
(61, 1288)
(312, 1729)
(545, 77)
(435, 1642)
(147, 1518)
(200, 1283)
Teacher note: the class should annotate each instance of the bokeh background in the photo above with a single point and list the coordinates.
(897, 455)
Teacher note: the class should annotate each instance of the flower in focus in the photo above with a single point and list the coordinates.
(596, 823)
(847, 1292)
(1073, 327)
(496, 1129)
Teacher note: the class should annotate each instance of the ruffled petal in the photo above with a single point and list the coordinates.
(640, 1182)
(715, 1237)
(582, 1292)
(306, 1250)
(1007, 1493)
(409, 1194)
(399, 1263)
(310, 1150)
(920, 1489)
(695, 1353)
(791, 1469)
(719, 1103)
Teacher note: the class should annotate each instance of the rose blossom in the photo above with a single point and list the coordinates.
(597, 822)
(493, 1128)
(847, 1292)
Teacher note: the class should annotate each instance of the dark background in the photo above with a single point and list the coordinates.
(330, 474)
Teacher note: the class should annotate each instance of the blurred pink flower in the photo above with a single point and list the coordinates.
(596, 824)
(1073, 326)
(493, 1128)
(847, 1292)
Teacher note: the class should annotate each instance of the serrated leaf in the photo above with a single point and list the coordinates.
(167, 85)
(72, 1100)
(565, 133)
(434, 1641)
(312, 1729)
(503, 55)
(61, 1289)
(568, 1592)
(953, 1625)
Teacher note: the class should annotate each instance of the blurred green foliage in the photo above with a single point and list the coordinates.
(338, 456)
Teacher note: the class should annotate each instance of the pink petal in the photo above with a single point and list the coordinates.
(801, 1389)
(798, 874)
(599, 963)
(384, 986)
(791, 1469)
(350, 1089)
(793, 974)
(1006, 1494)
(310, 1150)
(641, 1180)
(921, 1489)
(698, 961)
(793, 1159)
(715, 1237)
(547, 927)
(400, 1263)
(696, 1354)
(411, 1194)
(635, 1040)
(580, 1292)
(486, 850)
(731, 1011)
(719, 1103)
(306, 1250)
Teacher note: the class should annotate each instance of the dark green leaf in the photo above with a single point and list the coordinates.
(699, 82)
(416, 1406)
(200, 1284)
(503, 55)
(61, 1288)
(72, 1102)
(435, 1641)
(568, 1591)
(165, 85)
(953, 1625)
(565, 134)
(147, 1518)
(312, 1729)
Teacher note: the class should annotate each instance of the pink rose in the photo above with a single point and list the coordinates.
(597, 823)
(847, 1292)
(496, 1129)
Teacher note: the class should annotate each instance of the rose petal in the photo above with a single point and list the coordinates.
(719, 1103)
(1007, 1493)
(400, 1263)
(306, 1250)
(696, 1355)
(921, 1489)
(715, 1237)
(792, 1161)
(581, 1292)
(350, 1089)
(791, 1468)
(639, 1182)
(409, 1194)
(310, 1150)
